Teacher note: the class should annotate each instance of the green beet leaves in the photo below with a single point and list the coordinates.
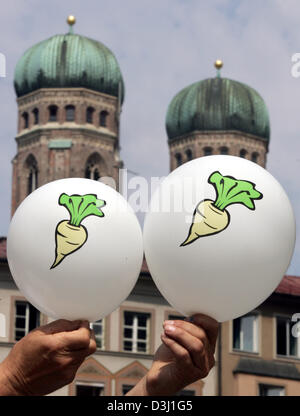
(81, 206)
(233, 191)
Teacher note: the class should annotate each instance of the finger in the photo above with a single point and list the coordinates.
(77, 356)
(193, 345)
(180, 353)
(210, 325)
(61, 325)
(76, 340)
(191, 328)
(92, 345)
(84, 352)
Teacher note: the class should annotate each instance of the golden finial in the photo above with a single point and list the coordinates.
(218, 66)
(71, 20)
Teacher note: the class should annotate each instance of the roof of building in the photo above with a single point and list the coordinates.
(260, 367)
(218, 104)
(289, 285)
(145, 266)
(69, 60)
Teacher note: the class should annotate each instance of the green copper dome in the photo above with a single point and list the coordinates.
(68, 60)
(218, 104)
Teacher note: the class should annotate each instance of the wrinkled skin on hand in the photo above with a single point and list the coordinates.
(185, 356)
(46, 359)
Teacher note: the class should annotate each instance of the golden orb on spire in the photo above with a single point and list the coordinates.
(71, 20)
(218, 64)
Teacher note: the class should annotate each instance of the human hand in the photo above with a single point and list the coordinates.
(186, 355)
(46, 359)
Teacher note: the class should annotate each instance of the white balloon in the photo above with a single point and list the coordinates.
(232, 260)
(95, 264)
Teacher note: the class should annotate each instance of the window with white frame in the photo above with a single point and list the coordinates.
(2, 325)
(286, 343)
(89, 389)
(99, 330)
(245, 333)
(136, 331)
(27, 317)
(268, 390)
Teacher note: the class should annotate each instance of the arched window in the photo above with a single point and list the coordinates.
(25, 118)
(207, 151)
(243, 153)
(53, 113)
(178, 158)
(89, 114)
(254, 157)
(223, 150)
(189, 154)
(32, 173)
(92, 167)
(35, 113)
(103, 118)
(70, 113)
(92, 173)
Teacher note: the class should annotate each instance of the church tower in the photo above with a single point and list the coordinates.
(217, 116)
(69, 93)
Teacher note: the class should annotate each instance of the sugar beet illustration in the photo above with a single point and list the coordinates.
(211, 217)
(71, 235)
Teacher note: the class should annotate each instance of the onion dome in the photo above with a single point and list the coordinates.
(218, 104)
(69, 61)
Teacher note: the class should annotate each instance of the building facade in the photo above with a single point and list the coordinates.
(260, 354)
(70, 92)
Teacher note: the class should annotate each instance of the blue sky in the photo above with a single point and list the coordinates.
(161, 47)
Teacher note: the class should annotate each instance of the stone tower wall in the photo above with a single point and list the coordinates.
(61, 148)
(197, 142)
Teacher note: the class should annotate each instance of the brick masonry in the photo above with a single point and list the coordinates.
(87, 138)
(235, 141)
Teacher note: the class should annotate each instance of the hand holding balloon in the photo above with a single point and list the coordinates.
(46, 359)
(185, 356)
